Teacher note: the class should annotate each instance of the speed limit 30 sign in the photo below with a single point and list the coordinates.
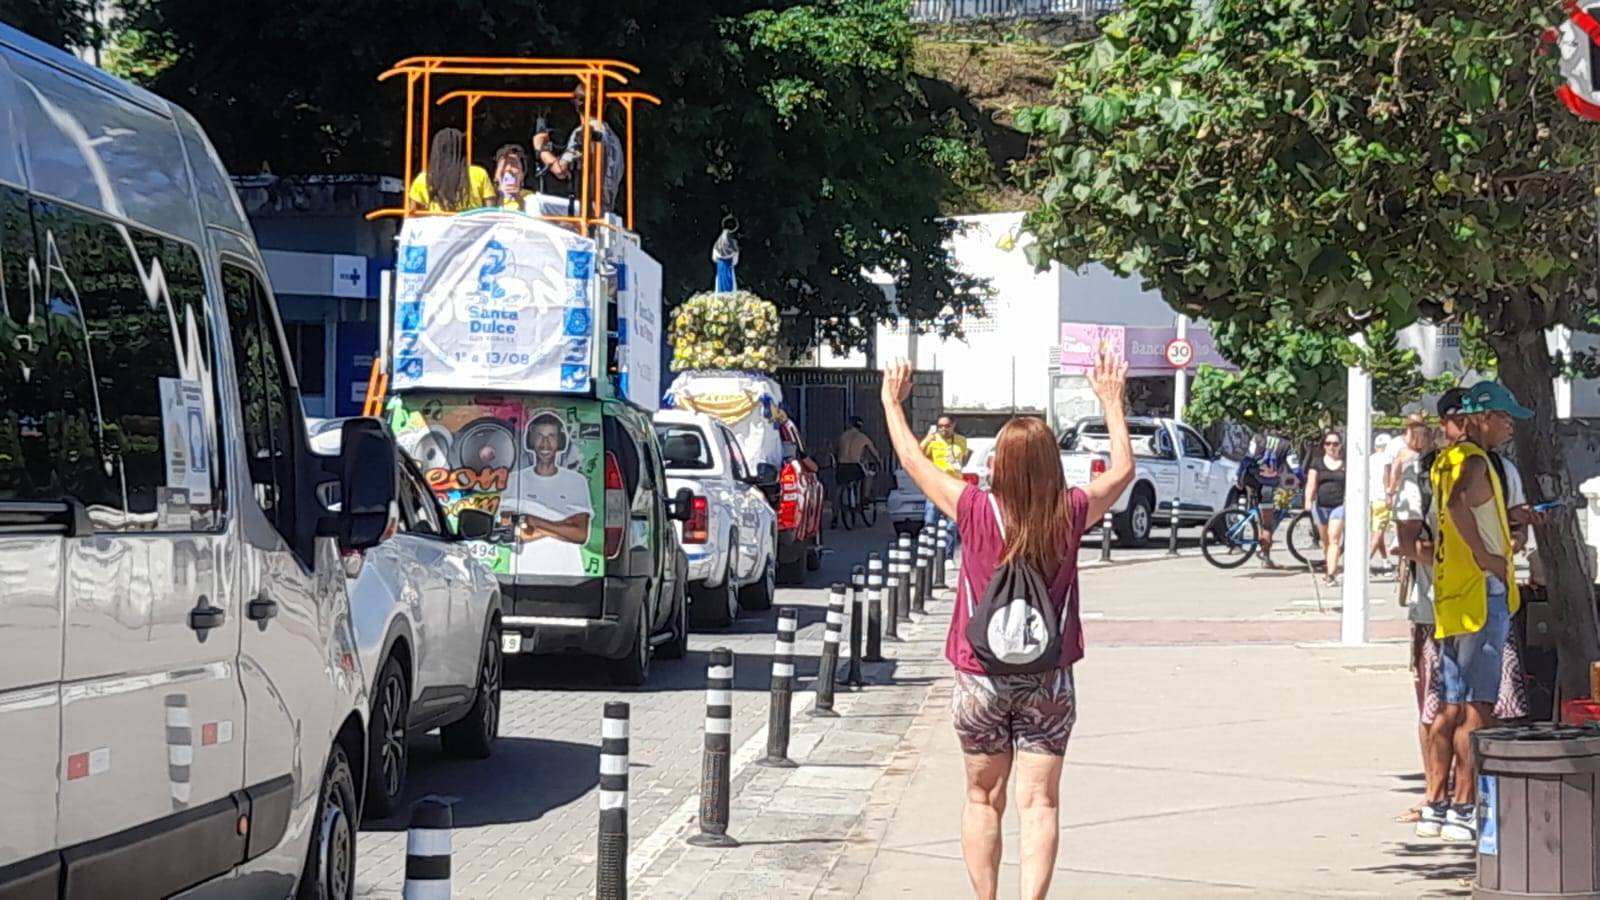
(1179, 353)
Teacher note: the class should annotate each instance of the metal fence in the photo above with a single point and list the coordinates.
(962, 10)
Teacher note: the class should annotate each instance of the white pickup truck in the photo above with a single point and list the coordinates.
(730, 538)
(1172, 464)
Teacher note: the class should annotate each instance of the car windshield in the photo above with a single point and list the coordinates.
(1092, 437)
(684, 447)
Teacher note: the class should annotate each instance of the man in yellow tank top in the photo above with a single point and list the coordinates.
(1475, 589)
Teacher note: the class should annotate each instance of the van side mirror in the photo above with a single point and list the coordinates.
(683, 505)
(766, 473)
(474, 524)
(366, 474)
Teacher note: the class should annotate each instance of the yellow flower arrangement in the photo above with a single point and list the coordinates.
(724, 331)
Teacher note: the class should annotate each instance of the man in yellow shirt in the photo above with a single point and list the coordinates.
(948, 451)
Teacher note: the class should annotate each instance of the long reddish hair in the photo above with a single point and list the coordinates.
(1025, 477)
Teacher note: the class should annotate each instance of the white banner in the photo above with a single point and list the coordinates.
(639, 299)
(493, 301)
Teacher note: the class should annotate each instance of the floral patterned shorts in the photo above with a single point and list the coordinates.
(995, 714)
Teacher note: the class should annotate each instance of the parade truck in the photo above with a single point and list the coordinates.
(520, 365)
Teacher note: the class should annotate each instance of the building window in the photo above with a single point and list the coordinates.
(308, 347)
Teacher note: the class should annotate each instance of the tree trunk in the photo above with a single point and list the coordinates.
(1526, 368)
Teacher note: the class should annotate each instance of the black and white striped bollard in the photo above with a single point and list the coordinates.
(941, 546)
(1105, 537)
(180, 749)
(828, 669)
(611, 862)
(891, 598)
(919, 603)
(858, 580)
(428, 851)
(782, 694)
(903, 598)
(714, 772)
(874, 609)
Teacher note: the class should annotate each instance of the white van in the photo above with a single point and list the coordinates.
(180, 695)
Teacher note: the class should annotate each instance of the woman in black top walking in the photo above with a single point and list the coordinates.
(1325, 501)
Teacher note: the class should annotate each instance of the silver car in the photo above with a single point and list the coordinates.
(182, 706)
(427, 621)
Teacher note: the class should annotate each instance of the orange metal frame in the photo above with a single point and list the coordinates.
(596, 76)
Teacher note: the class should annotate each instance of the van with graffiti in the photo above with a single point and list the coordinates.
(518, 369)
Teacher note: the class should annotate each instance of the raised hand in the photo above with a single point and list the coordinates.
(896, 382)
(1109, 379)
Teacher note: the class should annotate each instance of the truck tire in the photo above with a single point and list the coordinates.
(757, 596)
(634, 669)
(1133, 524)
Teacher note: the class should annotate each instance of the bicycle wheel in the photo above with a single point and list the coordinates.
(847, 504)
(1305, 545)
(1230, 538)
(868, 509)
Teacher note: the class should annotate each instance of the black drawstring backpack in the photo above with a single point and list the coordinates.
(1014, 629)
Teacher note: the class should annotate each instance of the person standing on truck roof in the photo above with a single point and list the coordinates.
(510, 171)
(451, 184)
(549, 503)
(569, 161)
(948, 452)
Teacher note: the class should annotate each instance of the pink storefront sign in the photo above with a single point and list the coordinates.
(1144, 347)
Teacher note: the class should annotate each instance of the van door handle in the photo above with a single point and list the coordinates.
(261, 609)
(206, 617)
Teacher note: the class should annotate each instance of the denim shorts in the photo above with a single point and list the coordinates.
(1326, 514)
(1471, 664)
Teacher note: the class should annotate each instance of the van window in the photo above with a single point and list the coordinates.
(264, 393)
(115, 370)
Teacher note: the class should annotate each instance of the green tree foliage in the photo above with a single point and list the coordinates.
(1292, 381)
(801, 119)
(1346, 159)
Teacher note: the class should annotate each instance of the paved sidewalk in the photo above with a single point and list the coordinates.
(1248, 766)
(1230, 753)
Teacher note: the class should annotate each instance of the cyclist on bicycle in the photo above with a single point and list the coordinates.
(850, 458)
(1261, 473)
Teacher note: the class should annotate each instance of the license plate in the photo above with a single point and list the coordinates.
(511, 643)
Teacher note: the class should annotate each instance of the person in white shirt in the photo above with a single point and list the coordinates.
(550, 504)
(1383, 453)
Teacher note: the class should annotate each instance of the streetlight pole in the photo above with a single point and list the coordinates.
(1357, 505)
(1180, 377)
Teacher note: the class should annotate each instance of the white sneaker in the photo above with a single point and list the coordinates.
(1431, 822)
(1460, 824)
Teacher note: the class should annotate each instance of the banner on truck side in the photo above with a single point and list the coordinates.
(534, 463)
(493, 301)
(639, 327)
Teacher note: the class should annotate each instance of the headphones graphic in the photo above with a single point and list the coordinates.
(541, 417)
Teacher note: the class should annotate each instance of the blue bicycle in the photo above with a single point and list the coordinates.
(1233, 536)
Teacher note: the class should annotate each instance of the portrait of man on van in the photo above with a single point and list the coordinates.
(549, 502)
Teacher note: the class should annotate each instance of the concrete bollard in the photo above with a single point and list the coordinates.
(611, 861)
(858, 580)
(1105, 537)
(714, 772)
(829, 664)
(782, 694)
(941, 546)
(428, 851)
(874, 609)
